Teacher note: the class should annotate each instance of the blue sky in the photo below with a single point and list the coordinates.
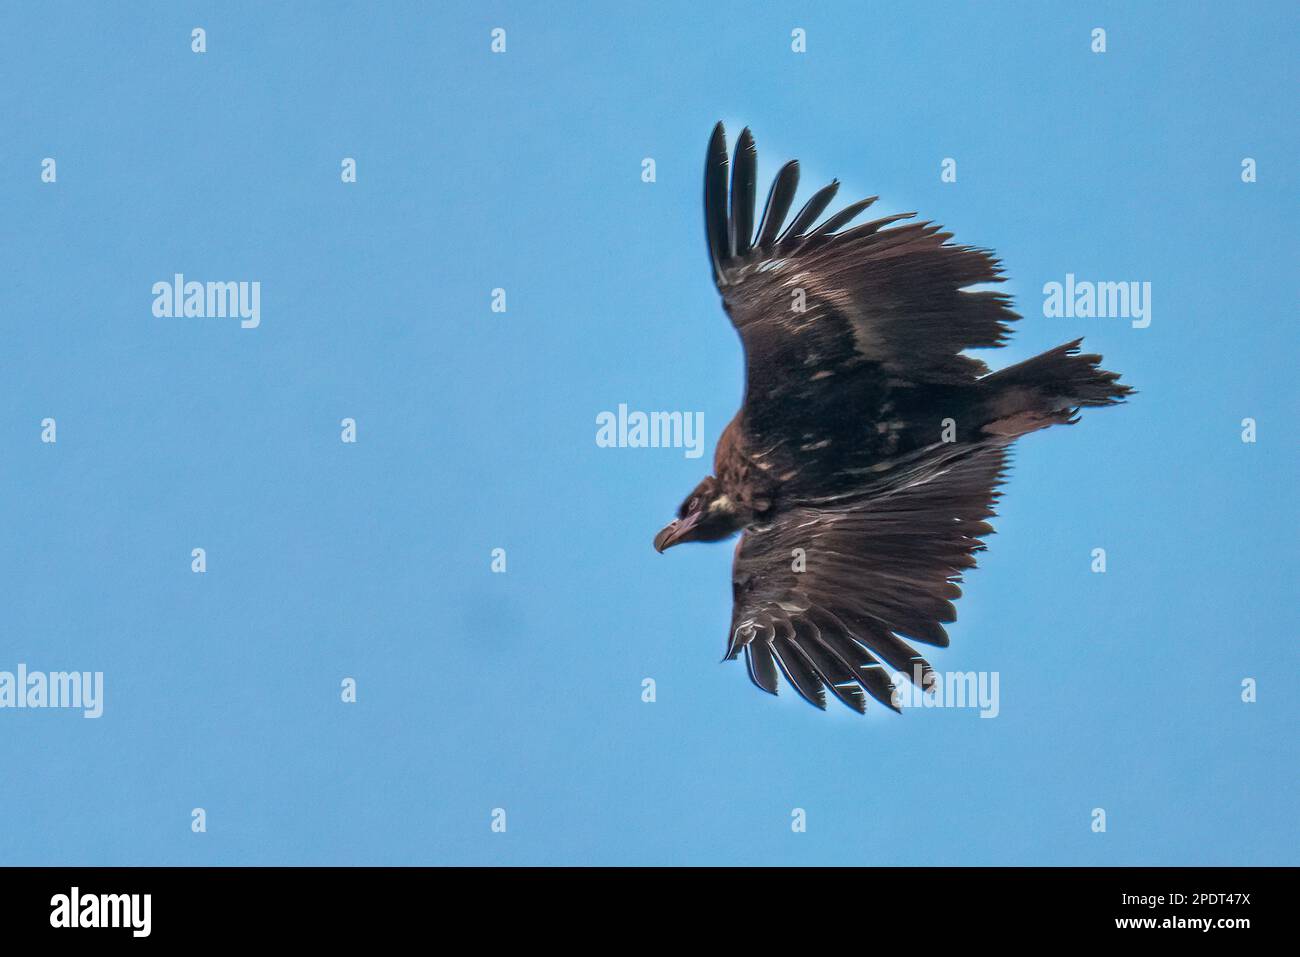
(476, 430)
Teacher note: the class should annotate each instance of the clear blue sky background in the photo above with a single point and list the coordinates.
(476, 431)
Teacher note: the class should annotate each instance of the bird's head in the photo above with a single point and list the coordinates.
(707, 515)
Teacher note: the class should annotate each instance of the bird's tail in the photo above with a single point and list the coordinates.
(1048, 389)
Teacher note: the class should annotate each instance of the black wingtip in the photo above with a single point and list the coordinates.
(811, 210)
(744, 177)
(779, 200)
(846, 216)
(718, 143)
(716, 167)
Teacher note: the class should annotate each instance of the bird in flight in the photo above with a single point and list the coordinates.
(863, 464)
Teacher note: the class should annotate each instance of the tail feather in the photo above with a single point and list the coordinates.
(1049, 389)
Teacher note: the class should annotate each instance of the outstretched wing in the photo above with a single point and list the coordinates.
(840, 325)
(825, 596)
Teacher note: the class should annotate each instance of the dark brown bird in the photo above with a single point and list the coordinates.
(863, 463)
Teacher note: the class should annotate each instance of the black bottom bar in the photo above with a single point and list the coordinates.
(333, 905)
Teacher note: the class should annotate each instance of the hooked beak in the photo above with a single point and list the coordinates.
(675, 531)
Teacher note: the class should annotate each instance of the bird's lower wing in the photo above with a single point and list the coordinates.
(827, 596)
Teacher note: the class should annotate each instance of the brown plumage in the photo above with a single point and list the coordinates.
(863, 463)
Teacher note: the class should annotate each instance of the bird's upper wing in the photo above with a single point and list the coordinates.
(836, 322)
(824, 594)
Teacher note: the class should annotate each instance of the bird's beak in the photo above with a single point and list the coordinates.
(675, 531)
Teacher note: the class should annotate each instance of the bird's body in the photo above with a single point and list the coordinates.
(863, 462)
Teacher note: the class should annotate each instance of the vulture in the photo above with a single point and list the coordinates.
(863, 465)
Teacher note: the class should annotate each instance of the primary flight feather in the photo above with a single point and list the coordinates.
(863, 464)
